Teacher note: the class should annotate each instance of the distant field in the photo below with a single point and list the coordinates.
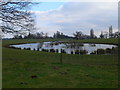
(107, 41)
(35, 69)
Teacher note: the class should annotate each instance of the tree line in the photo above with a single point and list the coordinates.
(57, 35)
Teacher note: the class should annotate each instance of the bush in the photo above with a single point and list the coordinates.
(100, 51)
(57, 50)
(83, 52)
(45, 50)
(115, 50)
(37, 49)
(80, 44)
(77, 52)
(28, 48)
(12, 47)
(95, 52)
(56, 43)
(108, 51)
(63, 51)
(34, 49)
(92, 45)
(52, 50)
(71, 52)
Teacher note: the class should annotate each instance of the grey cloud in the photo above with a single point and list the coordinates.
(80, 16)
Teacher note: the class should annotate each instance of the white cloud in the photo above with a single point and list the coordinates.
(78, 16)
(37, 12)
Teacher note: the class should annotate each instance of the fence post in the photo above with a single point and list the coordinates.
(61, 56)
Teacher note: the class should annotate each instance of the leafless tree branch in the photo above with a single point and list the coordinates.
(15, 17)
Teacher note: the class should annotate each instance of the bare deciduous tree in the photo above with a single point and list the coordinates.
(78, 35)
(15, 17)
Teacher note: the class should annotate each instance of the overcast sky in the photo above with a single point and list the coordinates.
(69, 17)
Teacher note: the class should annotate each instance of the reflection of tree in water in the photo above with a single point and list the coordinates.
(70, 48)
(51, 44)
(74, 45)
(92, 45)
(40, 45)
(54, 43)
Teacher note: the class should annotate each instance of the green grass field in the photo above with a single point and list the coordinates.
(35, 69)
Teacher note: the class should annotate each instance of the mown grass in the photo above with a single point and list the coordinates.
(104, 41)
(76, 71)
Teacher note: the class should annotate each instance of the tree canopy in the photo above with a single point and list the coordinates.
(15, 17)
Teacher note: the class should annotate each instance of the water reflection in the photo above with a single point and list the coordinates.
(67, 47)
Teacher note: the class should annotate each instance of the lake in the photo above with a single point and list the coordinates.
(68, 47)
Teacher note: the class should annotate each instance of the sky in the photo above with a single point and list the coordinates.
(69, 17)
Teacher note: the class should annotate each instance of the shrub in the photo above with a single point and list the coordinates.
(28, 49)
(100, 51)
(115, 50)
(80, 44)
(77, 52)
(71, 52)
(94, 52)
(52, 50)
(45, 50)
(34, 49)
(57, 50)
(56, 43)
(37, 49)
(11, 47)
(63, 51)
(14, 47)
(83, 52)
(108, 50)
(92, 45)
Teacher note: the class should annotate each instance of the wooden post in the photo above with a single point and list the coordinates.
(61, 56)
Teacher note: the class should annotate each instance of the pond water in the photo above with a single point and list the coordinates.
(68, 47)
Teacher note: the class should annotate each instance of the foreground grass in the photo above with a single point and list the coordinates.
(77, 71)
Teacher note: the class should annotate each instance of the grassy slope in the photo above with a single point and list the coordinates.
(84, 71)
(108, 41)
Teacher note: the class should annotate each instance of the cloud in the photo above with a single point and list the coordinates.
(49, 29)
(78, 16)
(37, 12)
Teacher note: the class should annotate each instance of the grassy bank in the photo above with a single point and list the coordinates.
(104, 41)
(34, 69)
(19, 41)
